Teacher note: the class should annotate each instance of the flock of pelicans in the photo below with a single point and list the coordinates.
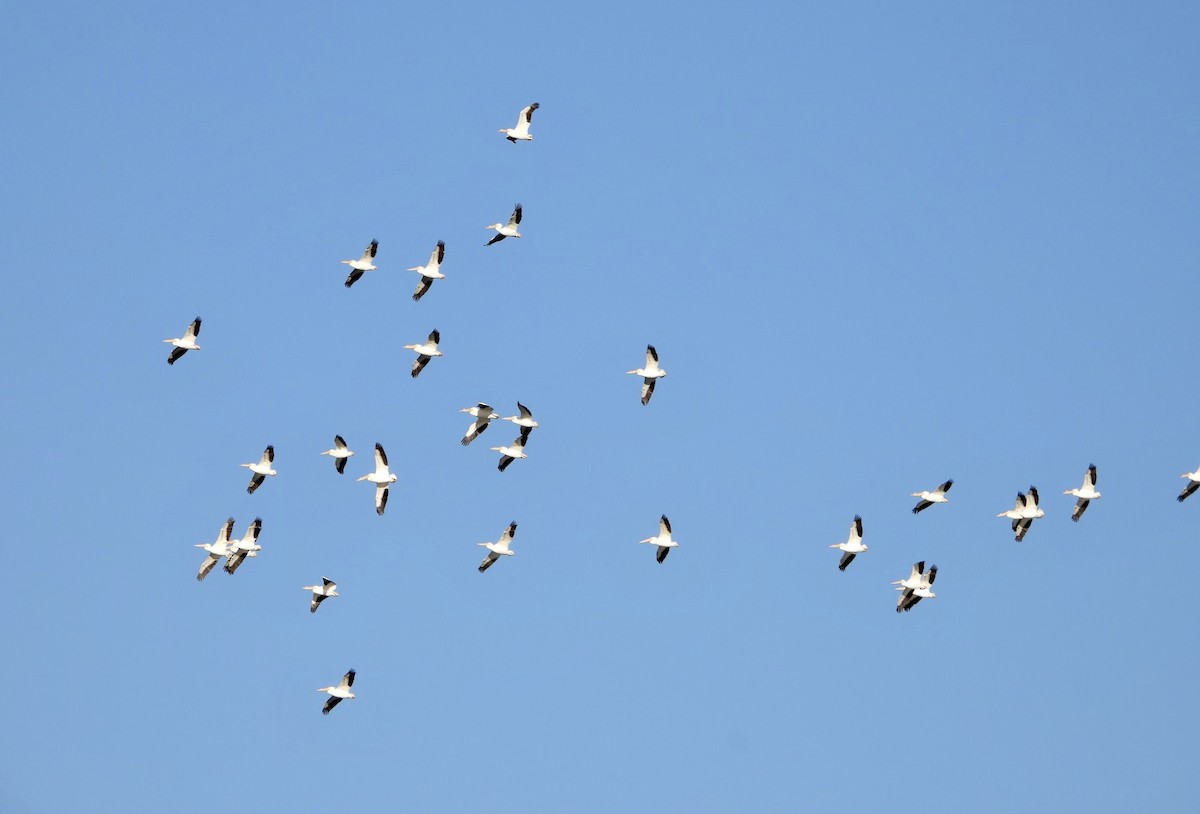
(917, 586)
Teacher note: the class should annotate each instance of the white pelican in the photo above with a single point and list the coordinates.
(506, 230)
(340, 453)
(430, 272)
(216, 550)
(362, 264)
(1032, 512)
(483, 416)
(382, 477)
(1020, 523)
(184, 343)
(425, 352)
(650, 373)
(498, 549)
(321, 592)
(1193, 484)
(918, 586)
(248, 546)
(524, 420)
(341, 691)
(853, 545)
(663, 540)
(511, 453)
(1085, 493)
(938, 495)
(521, 131)
(261, 469)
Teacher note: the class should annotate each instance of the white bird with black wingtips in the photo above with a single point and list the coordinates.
(425, 352)
(339, 693)
(650, 374)
(1020, 522)
(938, 495)
(499, 548)
(483, 416)
(524, 420)
(1192, 485)
(430, 271)
(382, 477)
(247, 546)
(340, 453)
(184, 343)
(261, 469)
(509, 229)
(1085, 494)
(363, 264)
(521, 131)
(511, 452)
(326, 590)
(853, 545)
(216, 550)
(918, 586)
(663, 540)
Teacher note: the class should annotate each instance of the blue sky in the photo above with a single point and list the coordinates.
(876, 246)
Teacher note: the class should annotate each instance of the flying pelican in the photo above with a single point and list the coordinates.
(1193, 484)
(340, 453)
(382, 477)
(483, 416)
(184, 343)
(362, 264)
(1085, 493)
(524, 421)
(430, 272)
(650, 373)
(261, 469)
(1032, 512)
(938, 495)
(425, 352)
(216, 550)
(521, 131)
(1019, 516)
(663, 540)
(853, 545)
(918, 586)
(248, 546)
(511, 453)
(321, 592)
(498, 549)
(506, 230)
(338, 693)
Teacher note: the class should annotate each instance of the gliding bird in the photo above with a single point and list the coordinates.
(216, 550)
(248, 546)
(430, 271)
(650, 373)
(853, 545)
(340, 453)
(525, 421)
(918, 586)
(1085, 493)
(663, 540)
(938, 495)
(382, 477)
(483, 416)
(338, 693)
(184, 343)
(327, 589)
(261, 469)
(425, 352)
(362, 264)
(521, 131)
(1192, 486)
(506, 230)
(511, 452)
(499, 548)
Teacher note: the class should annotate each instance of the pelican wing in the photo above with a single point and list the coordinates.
(856, 531)
(662, 553)
(348, 679)
(518, 210)
(945, 487)
(487, 561)
(353, 277)
(439, 253)
(255, 482)
(371, 250)
(664, 526)
(1188, 490)
(526, 116)
(193, 330)
(847, 558)
(340, 465)
(381, 464)
(419, 365)
(1080, 507)
(206, 566)
(176, 353)
(332, 702)
(507, 536)
(651, 357)
(647, 390)
(1089, 480)
(226, 532)
(422, 287)
(381, 497)
(922, 506)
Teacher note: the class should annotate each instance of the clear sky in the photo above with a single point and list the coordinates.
(877, 245)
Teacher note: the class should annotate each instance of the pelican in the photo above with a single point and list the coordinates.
(1032, 512)
(430, 272)
(216, 550)
(248, 546)
(1193, 484)
(184, 343)
(498, 549)
(650, 373)
(663, 540)
(1017, 514)
(1085, 493)
(425, 352)
(338, 693)
(340, 453)
(506, 230)
(261, 469)
(521, 131)
(511, 453)
(483, 416)
(918, 586)
(363, 264)
(853, 545)
(321, 592)
(382, 477)
(524, 420)
(938, 495)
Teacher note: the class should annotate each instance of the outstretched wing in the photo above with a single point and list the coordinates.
(330, 704)
(176, 353)
(1080, 507)
(922, 506)
(355, 274)
(847, 558)
(648, 390)
(422, 287)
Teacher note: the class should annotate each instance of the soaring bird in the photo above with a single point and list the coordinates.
(650, 373)
(338, 693)
(321, 592)
(1085, 493)
(216, 550)
(1032, 512)
(918, 586)
(524, 420)
(382, 477)
(483, 416)
(853, 545)
(340, 453)
(248, 546)
(663, 540)
(509, 229)
(1020, 522)
(184, 343)
(425, 352)
(521, 131)
(499, 548)
(363, 264)
(261, 469)
(1192, 485)
(430, 271)
(938, 495)
(511, 452)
